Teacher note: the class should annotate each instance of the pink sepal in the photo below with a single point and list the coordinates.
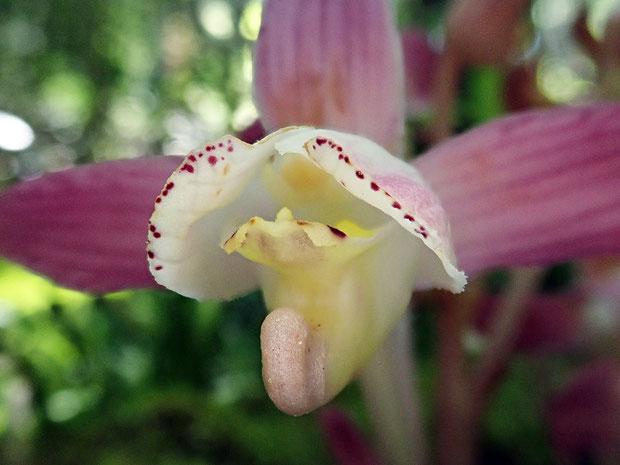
(331, 64)
(86, 227)
(531, 189)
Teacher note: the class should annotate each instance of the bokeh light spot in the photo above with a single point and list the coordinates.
(67, 99)
(249, 24)
(548, 14)
(559, 82)
(216, 17)
(15, 133)
(244, 115)
(600, 11)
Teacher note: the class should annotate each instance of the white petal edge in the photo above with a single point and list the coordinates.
(396, 188)
(214, 190)
(217, 188)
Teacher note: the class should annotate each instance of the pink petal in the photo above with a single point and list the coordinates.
(420, 70)
(253, 133)
(532, 189)
(344, 440)
(585, 415)
(334, 64)
(85, 227)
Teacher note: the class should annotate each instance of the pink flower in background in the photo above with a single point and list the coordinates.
(335, 231)
(421, 62)
(346, 443)
(584, 414)
(552, 322)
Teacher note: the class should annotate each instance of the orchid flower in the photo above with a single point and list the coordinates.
(337, 274)
(335, 230)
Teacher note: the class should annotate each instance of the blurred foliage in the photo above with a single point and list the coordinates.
(151, 377)
(123, 78)
(137, 377)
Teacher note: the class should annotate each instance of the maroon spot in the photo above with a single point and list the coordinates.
(230, 149)
(212, 160)
(346, 160)
(221, 158)
(422, 228)
(170, 185)
(396, 205)
(200, 155)
(337, 232)
(313, 147)
(158, 200)
(409, 218)
(159, 267)
(188, 168)
(339, 148)
(320, 140)
(152, 228)
(165, 192)
(359, 174)
(208, 148)
(340, 157)
(156, 235)
(374, 186)
(220, 144)
(192, 158)
(150, 254)
(424, 234)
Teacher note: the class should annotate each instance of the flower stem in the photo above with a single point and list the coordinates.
(445, 95)
(454, 435)
(462, 394)
(390, 390)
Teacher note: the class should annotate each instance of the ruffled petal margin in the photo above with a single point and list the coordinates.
(214, 190)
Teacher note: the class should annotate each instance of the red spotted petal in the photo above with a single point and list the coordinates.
(396, 188)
